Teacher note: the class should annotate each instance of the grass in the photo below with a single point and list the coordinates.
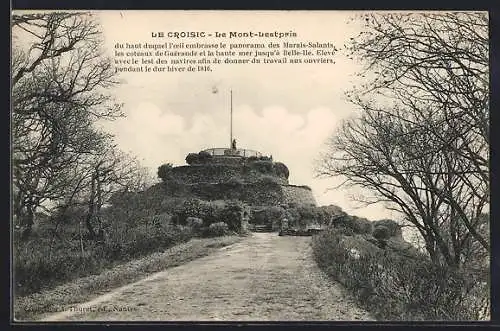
(41, 263)
(394, 287)
(37, 305)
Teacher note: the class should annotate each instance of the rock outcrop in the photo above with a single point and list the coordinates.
(255, 180)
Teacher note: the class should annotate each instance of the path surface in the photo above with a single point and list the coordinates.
(262, 278)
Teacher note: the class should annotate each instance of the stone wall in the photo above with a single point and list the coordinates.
(253, 194)
(298, 194)
(255, 182)
(220, 173)
(257, 193)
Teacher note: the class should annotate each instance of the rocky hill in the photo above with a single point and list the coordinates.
(255, 180)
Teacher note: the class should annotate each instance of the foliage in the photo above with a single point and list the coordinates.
(201, 157)
(165, 171)
(393, 287)
(381, 233)
(267, 215)
(231, 215)
(281, 170)
(40, 263)
(392, 227)
(229, 212)
(303, 215)
(218, 229)
(204, 157)
(192, 158)
(356, 224)
(195, 224)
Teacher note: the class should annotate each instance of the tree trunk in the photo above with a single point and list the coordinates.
(27, 222)
(91, 210)
(97, 207)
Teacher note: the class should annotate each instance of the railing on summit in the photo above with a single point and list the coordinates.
(232, 152)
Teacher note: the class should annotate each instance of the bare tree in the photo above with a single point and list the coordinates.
(109, 172)
(59, 82)
(421, 142)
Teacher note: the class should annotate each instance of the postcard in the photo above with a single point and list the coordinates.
(250, 165)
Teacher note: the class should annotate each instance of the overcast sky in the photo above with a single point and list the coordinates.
(286, 111)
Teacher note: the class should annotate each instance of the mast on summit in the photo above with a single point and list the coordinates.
(232, 143)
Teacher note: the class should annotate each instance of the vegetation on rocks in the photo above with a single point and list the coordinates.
(393, 286)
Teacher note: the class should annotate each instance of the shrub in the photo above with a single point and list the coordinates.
(194, 222)
(398, 288)
(356, 224)
(164, 218)
(393, 228)
(362, 225)
(192, 158)
(231, 214)
(280, 169)
(165, 171)
(194, 208)
(204, 157)
(40, 263)
(346, 231)
(266, 215)
(381, 233)
(218, 229)
(304, 215)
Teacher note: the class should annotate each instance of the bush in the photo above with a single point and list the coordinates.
(198, 158)
(195, 224)
(392, 227)
(231, 214)
(192, 158)
(164, 218)
(165, 171)
(362, 225)
(218, 229)
(204, 157)
(280, 169)
(381, 233)
(41, 263)
(305, 215)
(398, 288)
(356, 224)
(266, 215)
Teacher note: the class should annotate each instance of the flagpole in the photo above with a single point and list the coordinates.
(231, 123)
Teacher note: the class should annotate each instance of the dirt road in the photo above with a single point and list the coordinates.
(262, 278)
